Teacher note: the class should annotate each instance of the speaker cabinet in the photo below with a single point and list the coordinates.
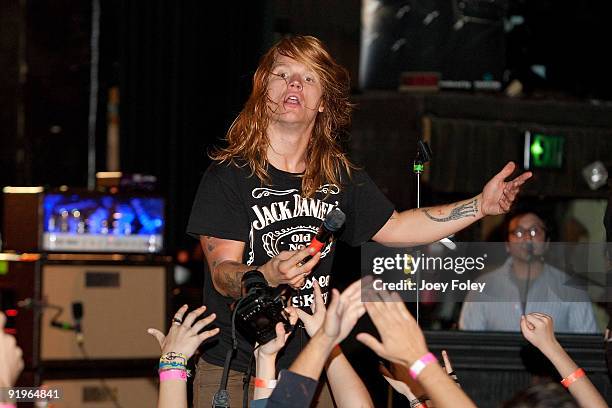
(119, 303)
(96, 393)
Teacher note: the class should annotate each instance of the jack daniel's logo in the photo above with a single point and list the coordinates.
(281, 210)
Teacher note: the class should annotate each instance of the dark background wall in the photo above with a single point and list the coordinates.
(184, 72)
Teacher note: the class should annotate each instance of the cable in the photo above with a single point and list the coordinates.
(221, 399)
(93, 93)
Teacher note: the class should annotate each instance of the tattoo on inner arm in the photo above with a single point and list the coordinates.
(230, 279)
(469, 209)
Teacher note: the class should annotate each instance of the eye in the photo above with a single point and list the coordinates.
(282, 74)
(309, 78)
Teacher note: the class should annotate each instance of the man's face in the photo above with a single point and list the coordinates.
(526, 236)
(294, 92)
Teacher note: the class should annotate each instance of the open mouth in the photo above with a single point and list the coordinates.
(292, 100)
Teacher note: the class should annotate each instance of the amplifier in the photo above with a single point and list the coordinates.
(73, 220)
(118, 304)
(118, 297)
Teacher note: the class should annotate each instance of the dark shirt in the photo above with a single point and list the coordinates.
(233, 204)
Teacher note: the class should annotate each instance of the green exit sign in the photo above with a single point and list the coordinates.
(543, 151)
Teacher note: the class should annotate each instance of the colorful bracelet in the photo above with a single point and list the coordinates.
(173, 356)
(164, 365)
(570, 379)
(261, 383)
(420, 364)
(173, 375)
(418, 403)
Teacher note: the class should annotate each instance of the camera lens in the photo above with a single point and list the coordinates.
(253, 280)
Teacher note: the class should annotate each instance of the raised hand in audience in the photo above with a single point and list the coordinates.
(343, 312)
(346, 386)
(11, 357)
(177, 347)
(184, 336)
(538, 329)
(403, 342)
(265, 358)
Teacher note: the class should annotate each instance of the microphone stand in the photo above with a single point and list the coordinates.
(417, 168)
(527, 281)
(423, 155)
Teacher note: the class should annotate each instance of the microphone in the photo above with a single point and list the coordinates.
(530, 250)
(334, 220)
(77, 316)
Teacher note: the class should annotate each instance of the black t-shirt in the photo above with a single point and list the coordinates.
(233, 204)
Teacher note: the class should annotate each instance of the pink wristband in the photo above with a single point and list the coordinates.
(173, 375)
(420, 364)
(7, 405)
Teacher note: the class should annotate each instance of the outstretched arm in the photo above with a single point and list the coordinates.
(265, 357)
(296, 387)
(403, 343)
(430, 224)
(177, 347)
(538, 330)
(346, 386)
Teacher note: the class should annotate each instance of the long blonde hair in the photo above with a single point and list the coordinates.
(325, 159)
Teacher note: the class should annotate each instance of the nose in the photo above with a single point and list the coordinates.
(295, 82)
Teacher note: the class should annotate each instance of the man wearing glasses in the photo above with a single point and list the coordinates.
(525, 283)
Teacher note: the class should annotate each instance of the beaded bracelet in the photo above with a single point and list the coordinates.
(173, 357)
(570, 379)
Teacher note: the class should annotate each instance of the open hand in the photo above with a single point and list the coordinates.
(403, 341)
(312, 322)
(498, 194)
(343, 312)
(185, 337)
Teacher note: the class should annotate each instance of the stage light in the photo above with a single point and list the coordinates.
(595, 175)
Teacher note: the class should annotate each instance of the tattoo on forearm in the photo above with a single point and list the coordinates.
(469, 209)
(230, 279)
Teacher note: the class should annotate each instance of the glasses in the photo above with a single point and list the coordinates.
(532, 232)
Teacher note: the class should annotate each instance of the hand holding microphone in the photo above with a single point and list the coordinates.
(292, 267)
(332, 223)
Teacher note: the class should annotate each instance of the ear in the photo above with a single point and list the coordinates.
(321, 107)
